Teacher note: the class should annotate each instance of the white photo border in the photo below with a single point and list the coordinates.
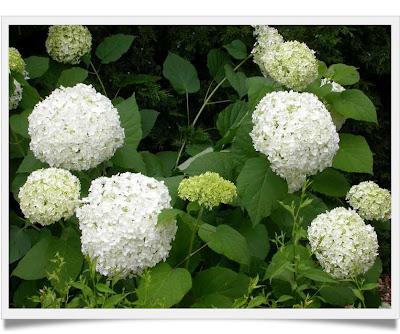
(265, 313)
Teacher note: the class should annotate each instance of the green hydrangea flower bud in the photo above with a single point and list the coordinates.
(208, 189)
(15, 61)
(68, 43)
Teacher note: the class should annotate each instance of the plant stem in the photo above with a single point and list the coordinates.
(98, 78)
(195, 228)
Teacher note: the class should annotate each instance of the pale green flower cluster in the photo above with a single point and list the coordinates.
(208, 189)
(292, 64)
(371, 201)
(68, 43)
(15, 61)
(49, 195)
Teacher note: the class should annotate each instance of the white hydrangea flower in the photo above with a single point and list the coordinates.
(16, 97)
(370, 201)
(68, 43)
(49, 195)
(75, 128)
(119, 226)
(337, 118)
(295, 131)
(267, 38)
(343, 244)
(292, 64)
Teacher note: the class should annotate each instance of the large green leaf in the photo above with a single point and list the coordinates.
(19, 123)
(223, 163)
(113, 47)
(343, 74)
(225, 240)
(353, 103)
(163, 287)
(128, 157)
(72, 76)
(237, 49)
(148, 118)
(259, 188)
(237, 80)
(20, 243)
(216, 60)
(354, 155)
(257, 239)
(257, 88)
(181, 74)
(231, 117)
(330, 182)
(172, 184)
(30, 97)
(30, 163)
(337, 295)
(36, 66)
(242, 144)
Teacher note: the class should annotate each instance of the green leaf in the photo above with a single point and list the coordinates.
(168, 159)
(358, 294)
(181, 74)
(172, 184)
(36, 66)
(257, 239)
(214, 300)
(353, 103)
(168, 216)
(237, 49)
(19, 123)
(72, 76)
(113, 47)
(131, 122)
(24, 292)
(20, 243)
(231, 117)
(216, 60)
(17, 183)
(373, 274)
(330, 182)
(223, 163)
(35, 263)
(220, 281)
(225, 240)
(237, 80)
(257, 88)
(343, 74)
(30, 97)
(318, 275)
(242, 145)
(259, 188)
(163, 287)
(148, 118)
(154, 166)
(354, 155)
(338, 295)
(104, 288)
(137, 79)
(30, 163)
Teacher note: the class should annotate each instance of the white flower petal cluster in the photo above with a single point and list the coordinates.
(295, 131)
(370, 201)
(68, 43)
(49, 195)
(16, 97)
(292, 64)
(119, 226)
(75, 128)
(343, 244)
(267, 38)
(337, 118)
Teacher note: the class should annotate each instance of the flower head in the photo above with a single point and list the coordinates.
(292, 64)
(15, 61)
(343, 244)
(16, 97)
(119, 226)
(295, 131)
(267, 38)
(68, 43)
(75, 128)
(370, 201)
(208, 189)
(49, 195)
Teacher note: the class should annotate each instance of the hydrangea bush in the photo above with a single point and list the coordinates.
(263, 201)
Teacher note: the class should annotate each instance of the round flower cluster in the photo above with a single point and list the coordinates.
(75, 128)
(337, 118)
(295, 131)
(267, 38)
(371, 201)
(15, 61)
(343, 244)
(292, 64)
(208, 189)
(49, 195)
(16, 97)
(119, 227)
(68, 43)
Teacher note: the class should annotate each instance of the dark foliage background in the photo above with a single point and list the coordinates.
(366, 47)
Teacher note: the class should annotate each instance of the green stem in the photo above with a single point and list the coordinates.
(195, 228)
(98, 78)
